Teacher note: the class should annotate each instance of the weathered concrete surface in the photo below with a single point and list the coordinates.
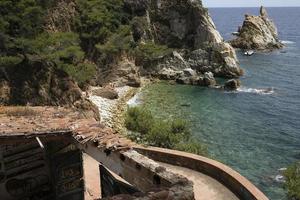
(91, 177)
(234, 181)
(205, 187)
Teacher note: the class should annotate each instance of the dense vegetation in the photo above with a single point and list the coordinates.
(23, 38)
(101, 30)
(292, 183)
(172, 134)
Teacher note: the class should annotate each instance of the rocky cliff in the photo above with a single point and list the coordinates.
(257, 32)
(104, 41)
(198, 50)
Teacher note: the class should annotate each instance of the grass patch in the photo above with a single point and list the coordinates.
(292, 183)
(171, 134)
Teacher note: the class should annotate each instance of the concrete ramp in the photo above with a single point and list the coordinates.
(205, 187)
(212, 179)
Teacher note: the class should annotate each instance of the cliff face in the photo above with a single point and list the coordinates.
(258, 32)
(107, 41)
(186, 27)
(38, 83)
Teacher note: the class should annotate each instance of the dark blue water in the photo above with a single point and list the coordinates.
(254, 133)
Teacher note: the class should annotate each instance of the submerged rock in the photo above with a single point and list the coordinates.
(257, 32)
(232, 84)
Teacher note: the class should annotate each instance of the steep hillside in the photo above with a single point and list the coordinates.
(45, 44)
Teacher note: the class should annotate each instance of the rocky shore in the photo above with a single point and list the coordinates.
(111, 110)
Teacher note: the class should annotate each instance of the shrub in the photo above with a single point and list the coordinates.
(292, 183)
(118, 43)
(139, 120)
(7, 61)
(156, 132)
(192, 147)
(151, 51)
(160, 135)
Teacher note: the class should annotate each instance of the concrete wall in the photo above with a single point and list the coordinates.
(238, 184)
(149, 177)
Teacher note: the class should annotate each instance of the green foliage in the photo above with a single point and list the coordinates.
(82, 73)
(151, 51)
(167, 134)
(139, 120)
(7, 61)
(63, 50)
(21, 18)
(292, 183)
(97, 20)
(102, 30)
(117, 43)
(192, 147)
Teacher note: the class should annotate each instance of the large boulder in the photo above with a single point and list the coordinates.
(106, 92)
(258, 33)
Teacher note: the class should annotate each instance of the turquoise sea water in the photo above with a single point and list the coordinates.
(253, 132)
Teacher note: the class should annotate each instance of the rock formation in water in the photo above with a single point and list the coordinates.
(258, 33)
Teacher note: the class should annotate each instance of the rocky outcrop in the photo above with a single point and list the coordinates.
(123, 72)
(232, 84)
(37, 83)
(257, 32)
(60, 18)
(186, 26)
(106, 92)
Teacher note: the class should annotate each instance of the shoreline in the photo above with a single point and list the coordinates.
(112, 111)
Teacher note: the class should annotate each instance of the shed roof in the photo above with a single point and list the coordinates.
(30, 122)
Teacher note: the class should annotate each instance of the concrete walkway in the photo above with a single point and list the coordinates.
(205, 187)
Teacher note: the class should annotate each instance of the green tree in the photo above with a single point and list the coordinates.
(97, 19)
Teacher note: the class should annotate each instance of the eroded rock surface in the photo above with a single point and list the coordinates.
(257, 32)
(39, 83)
(187, 27)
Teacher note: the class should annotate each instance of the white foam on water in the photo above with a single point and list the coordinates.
(280, 178)
(260, 91)
(287, 42)
(256, 90)
(135, 100)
